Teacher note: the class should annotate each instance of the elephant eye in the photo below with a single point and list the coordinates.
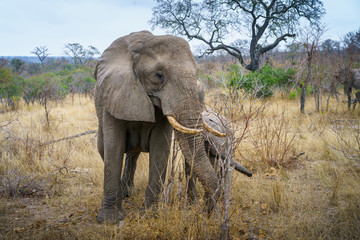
(160, 76)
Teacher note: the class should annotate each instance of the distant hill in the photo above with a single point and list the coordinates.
(31, 59)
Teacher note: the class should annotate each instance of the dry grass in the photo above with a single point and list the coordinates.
(314, 196)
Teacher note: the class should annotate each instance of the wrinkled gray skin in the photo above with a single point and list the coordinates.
(140, 79)
(217, 149)
(220, 148)
(351, 81)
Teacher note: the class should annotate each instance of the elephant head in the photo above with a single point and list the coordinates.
(142, 78)
(355, 83)
(351, 79)
(219, 148)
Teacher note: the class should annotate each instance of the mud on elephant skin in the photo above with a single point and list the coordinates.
(146, 84)
(217, 149)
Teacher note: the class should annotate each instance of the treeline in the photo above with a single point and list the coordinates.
(307, 66)
(32, 83)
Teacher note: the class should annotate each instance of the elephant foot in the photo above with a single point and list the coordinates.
(110, 215)
(125, 193)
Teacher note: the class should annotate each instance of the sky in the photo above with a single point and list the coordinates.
(27, 24)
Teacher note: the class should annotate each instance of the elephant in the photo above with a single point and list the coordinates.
(145, 88)
(217, 149)
(351, 79)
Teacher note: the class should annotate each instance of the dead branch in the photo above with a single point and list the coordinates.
(172, 172)
(12, 136)
(70, 137)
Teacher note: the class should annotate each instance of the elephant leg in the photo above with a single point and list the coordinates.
(159, 149)
(127, 180)
(114, 136)
(191, 183)
(357, 99)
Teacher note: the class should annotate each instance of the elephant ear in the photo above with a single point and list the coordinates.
(118, 89)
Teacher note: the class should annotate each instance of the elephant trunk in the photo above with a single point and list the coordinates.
(186, 109)
(193, 149)
(238, 167)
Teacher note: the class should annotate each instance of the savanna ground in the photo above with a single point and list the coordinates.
(53, 190)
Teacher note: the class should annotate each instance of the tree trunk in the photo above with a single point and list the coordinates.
(328, 102)
(320, 100)
(317, 99)
(302, 97)
(304, 86)
(349, 98)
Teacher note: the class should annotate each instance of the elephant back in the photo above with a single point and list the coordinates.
(356, 78)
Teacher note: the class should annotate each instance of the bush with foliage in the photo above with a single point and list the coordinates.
(297, 92)
(260, 82)
(40, 87)
(10, 87)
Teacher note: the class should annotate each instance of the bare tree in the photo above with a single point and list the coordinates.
(351, 43)
(79, 54)
(215, 23)
(310, 39)
(240, 110)
(330, 46)
(293, 51)
(42, 53)
(345, 137)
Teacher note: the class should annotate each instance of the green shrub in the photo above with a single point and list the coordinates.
(209, 81)
(293, 95)
(296, 92)
(46, 85)
(235, 76)
(259, 83)
(10, 87)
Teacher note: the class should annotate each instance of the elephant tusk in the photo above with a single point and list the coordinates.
(175, 124)
(213, 131)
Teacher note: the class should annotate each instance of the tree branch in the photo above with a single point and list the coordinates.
(276, 42)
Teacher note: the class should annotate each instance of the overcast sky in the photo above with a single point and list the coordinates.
(26, 24)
